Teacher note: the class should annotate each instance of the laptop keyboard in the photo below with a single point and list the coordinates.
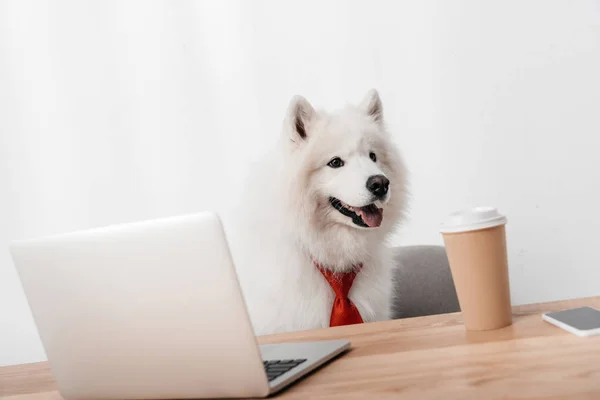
(275, 368)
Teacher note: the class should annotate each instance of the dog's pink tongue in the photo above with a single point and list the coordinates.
(372, 218)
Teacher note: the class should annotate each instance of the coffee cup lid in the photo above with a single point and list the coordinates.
(472, 220)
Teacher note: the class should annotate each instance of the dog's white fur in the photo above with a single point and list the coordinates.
(286, 218)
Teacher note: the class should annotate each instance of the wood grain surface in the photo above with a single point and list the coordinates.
(422, 358)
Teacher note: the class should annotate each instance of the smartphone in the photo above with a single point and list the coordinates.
(582, 321)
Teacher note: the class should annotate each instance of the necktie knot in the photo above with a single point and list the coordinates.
(343, 312)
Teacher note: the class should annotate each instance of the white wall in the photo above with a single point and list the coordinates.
(113, 112)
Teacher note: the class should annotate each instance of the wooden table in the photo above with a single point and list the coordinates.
(423, 358)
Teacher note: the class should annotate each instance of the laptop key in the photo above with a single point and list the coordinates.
(276, 368)
(275, 372)
(290, 365)
(282, 370)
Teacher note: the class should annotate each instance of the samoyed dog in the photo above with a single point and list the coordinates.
(323, 202)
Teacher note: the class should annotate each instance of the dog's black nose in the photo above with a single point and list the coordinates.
(378, 185)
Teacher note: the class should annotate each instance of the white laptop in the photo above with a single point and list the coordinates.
(152, 310)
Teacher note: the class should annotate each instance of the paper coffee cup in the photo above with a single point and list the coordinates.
(475, 242)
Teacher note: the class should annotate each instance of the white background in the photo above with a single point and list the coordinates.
(120, 111)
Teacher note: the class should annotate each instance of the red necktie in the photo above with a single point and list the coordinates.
(343, 312)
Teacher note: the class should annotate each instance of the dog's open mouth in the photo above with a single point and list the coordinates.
(368, 216)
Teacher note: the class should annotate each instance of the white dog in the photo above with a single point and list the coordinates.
(323, 203)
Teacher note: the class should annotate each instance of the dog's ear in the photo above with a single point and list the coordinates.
(299, 116)
(372, 105)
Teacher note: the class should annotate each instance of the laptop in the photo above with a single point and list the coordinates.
(153, 310)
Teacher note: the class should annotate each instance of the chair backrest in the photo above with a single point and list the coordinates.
(423, 283)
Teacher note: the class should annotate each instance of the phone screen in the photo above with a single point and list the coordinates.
(583, 318)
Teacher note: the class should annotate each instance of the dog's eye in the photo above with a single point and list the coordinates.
(336, 163)
(373, 156)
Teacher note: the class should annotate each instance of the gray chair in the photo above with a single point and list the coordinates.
(424, 284)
